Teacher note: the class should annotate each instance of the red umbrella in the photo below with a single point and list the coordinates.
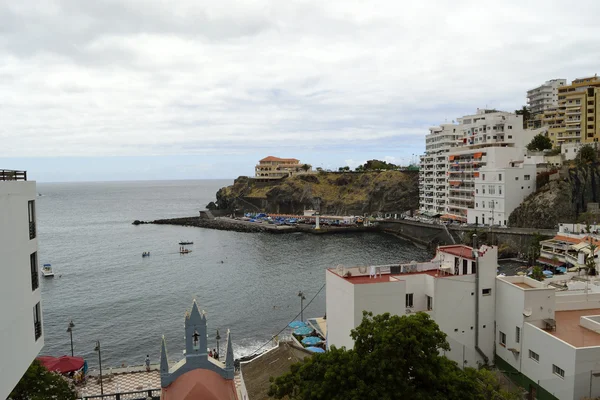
(64, 364)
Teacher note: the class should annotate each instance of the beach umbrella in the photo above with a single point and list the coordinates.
(296, 324)
(303, 331)
(315, 349)
(311, 340)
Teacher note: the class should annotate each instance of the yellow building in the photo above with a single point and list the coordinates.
(578, 111)
(270, 168)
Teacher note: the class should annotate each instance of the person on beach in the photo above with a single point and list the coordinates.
(148, 363)
(210, 353)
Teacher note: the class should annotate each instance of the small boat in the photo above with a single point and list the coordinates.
(47, 271)
(146, 254)
(185, 251)
(185, 243)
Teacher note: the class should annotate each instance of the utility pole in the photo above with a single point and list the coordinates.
(97, 348)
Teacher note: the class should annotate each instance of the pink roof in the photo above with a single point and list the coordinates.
(200, 384)
(271, 158)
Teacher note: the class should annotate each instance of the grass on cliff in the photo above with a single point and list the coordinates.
(349, 187)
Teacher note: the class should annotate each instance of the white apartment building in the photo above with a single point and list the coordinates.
(551, 337)
(545, 96)
(456, 289)
(492, 140)
(498, 191)
(433, 170)
(20, 299)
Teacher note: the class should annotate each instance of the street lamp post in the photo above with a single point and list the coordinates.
(97, 348)
(70, 331)
(302, 298)
(218, 338)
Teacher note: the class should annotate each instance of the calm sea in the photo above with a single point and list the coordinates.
(247, 282)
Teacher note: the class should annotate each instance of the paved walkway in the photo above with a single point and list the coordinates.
(122, 382)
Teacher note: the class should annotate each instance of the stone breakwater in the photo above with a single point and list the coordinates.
(229, 224)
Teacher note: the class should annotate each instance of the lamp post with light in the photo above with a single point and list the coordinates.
(302, 298)
(70, 332)
(97, 348)
(218, 337)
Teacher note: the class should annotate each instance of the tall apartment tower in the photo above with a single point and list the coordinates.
(492, 144)
(545, 96)
(579, 111)
(20, 298)
(433, 179)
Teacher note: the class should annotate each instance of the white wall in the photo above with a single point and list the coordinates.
(18, 347)
(339, 309)
(551, 351)
(379, 298)
(587, 362)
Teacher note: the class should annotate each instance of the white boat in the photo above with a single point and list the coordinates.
(47, 271)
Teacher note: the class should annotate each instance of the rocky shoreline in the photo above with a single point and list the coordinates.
(228, 224)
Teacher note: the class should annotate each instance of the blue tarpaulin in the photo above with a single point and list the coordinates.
(296, 324)
(310, 340)
(303, 331)
(315, 349)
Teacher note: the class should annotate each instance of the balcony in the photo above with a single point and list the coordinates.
(32, 230)
(35, 279)
(11, 175)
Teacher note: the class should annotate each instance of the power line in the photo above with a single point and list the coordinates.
(286, 326)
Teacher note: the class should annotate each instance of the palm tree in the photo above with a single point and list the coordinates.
(525, 113)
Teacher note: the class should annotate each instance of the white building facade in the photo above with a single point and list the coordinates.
(498, 191)
(454, 280)
(545, 96)
(433, 178)
(549, 336)
(20, 298)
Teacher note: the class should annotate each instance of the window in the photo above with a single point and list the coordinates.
(429, 303)
(492, 189)
(491, 204)
(499, 189)
(527, 177)
(483, 190)
(486, 292)
(476, 190)
(473, 267)
(37, 321)
(483, 204)
(465, 269)
(518, 335)
(510, 136)
(534, 356)
(558, 371)
(31, 209)
(483, 177)
(502, 339)
(510, 127)
(409, 300)
(35, 276)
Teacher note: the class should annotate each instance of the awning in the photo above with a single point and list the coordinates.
(63, 365)
(476, 174)
(450, 158)
(477, 155)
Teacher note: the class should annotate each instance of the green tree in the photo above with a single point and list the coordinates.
(305, 167)
(537, 274)
(526, 115)
(40, 384)
(534, 249)
(393, 357)
(539, 143)
(587, 155)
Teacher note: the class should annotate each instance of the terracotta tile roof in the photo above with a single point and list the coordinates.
(567, 239)
(459, 250)
(271, 158)
(569, 330)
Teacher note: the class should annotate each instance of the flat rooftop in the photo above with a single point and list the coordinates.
(523, 285)
(569, 330)
(385, 276)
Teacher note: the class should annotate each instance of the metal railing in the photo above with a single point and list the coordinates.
(12, 175)
(35, 279)
(153, 394)
(38, 329)
(32, 231)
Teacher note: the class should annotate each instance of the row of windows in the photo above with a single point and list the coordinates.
(410, 301)
(556, 370)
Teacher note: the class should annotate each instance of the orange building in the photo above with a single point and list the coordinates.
(270, 168)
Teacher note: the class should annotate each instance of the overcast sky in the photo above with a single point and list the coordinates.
(166, 89)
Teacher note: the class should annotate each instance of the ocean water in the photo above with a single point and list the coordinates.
(246, 282)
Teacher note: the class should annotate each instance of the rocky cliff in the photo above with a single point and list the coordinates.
(558, 201)
(348, 193)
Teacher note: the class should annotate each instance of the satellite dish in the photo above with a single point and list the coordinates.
(340, 269)
(362, 269)
(527, 312)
